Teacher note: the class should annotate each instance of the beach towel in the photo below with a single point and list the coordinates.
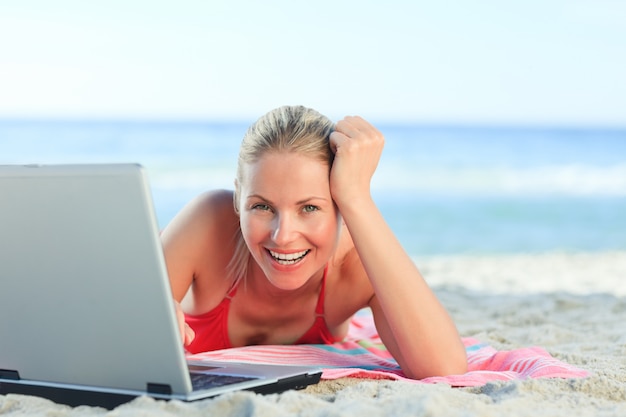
(363, 355)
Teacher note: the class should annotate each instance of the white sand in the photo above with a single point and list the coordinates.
(573, 305)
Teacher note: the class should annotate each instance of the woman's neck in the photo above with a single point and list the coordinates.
(258, 283)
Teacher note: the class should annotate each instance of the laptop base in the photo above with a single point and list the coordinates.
(75, 397)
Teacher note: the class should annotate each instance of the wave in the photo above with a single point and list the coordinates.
(566, 180)
(573, 180)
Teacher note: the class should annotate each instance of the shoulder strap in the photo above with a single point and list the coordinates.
(231, 293)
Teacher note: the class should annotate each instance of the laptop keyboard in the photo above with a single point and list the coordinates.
(205, 381)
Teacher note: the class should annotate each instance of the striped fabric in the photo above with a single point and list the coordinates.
(362, 355)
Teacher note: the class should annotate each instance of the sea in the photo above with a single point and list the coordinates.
(443, 189)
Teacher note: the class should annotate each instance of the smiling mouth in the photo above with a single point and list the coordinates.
(288, 258)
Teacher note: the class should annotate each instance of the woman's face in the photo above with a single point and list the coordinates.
(288, 218)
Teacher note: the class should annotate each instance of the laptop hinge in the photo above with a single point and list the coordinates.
(9, 374)
(163, 389)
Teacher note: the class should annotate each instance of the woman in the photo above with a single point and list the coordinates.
(299, 247)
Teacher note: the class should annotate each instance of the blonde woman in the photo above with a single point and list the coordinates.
(299, 246)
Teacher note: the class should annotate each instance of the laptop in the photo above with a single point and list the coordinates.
(86, 312)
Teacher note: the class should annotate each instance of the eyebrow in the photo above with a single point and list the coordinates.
(304, 201)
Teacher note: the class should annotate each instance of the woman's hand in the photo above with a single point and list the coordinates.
(186, 333)
(357, 146)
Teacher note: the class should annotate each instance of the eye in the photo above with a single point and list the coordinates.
(309, 208)
(261, 207)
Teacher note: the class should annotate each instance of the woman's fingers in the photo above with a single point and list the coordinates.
(189, 335)
(186, 333)
(357, 146)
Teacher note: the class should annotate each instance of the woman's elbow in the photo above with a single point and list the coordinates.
(449, 365)
(456, 366)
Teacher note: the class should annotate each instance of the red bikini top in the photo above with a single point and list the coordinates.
(211, 328)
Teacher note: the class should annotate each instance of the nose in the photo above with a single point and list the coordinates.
(284, 230)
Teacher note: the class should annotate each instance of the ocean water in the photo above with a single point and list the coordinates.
(443, 189)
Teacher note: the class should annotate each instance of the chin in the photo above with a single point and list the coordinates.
(288, 277)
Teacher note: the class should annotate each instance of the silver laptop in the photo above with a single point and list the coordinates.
(86, 312)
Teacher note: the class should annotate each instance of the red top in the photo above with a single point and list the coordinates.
(211, 328)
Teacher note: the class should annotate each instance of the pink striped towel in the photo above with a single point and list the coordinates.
(362, 355)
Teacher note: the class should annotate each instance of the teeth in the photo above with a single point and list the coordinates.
(288, 258)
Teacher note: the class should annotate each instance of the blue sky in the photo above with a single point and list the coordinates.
(554, 62)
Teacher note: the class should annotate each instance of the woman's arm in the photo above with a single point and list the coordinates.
(192, 242)
(412, 323)
(181, 241)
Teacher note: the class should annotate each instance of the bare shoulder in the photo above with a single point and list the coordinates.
(209, 212)
(212, 201)
(199, 241)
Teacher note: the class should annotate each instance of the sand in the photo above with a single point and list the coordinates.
(573, 305)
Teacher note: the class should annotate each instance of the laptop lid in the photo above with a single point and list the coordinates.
(85, 299)
(85, 295)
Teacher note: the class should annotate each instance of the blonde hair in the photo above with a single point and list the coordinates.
(295, 129)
